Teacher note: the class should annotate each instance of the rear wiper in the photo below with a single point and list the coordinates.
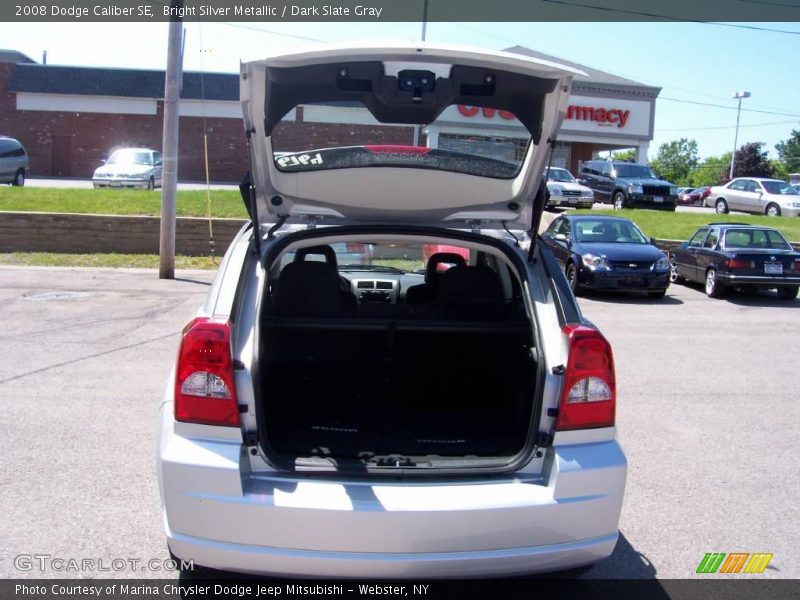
(370, 268)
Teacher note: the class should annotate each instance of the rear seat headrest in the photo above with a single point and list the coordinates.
(470, 285)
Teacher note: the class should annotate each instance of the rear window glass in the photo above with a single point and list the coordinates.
(755, 238)
(463, 139)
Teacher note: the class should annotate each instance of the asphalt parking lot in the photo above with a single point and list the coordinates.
(708, 413)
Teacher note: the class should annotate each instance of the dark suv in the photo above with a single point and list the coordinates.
(628, 185)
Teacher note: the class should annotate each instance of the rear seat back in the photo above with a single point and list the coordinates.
(311, 289)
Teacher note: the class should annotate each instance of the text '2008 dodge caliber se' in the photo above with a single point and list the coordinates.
(324, 420)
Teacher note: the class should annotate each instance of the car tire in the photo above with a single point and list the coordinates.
(618, 200)
(657, 295)
(151, 184)
(673, 273)
(788, 293)
(713, 287)
(773, 210)
(721, 206)
(19, 178)
(571, 273)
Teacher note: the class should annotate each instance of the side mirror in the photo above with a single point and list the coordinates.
(685, 245)
(561, 237)
(157, 163)
(652, 241)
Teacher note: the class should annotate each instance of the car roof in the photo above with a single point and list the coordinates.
(759, 179)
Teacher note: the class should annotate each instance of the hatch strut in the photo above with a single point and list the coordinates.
(542, 195)
(251, 195)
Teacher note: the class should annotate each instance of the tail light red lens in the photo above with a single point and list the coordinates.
(588, 396)
(204, 390)
(737, 263)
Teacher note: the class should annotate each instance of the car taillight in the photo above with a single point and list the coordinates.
(588, 396)
(794, 266)
(204, 390)
(737, 263)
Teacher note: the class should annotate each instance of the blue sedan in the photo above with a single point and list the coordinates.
(607, 253)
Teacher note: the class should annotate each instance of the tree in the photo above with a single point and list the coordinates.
(711, 171)
(789, 152)
(676, 159)
(752, 162)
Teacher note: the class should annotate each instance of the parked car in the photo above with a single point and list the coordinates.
(628, 185)
(735, 255)
(13, 161)
(307, 430)
(607, 253)
(566, 191)
(689, 197)
(758, 195)
(130, 168)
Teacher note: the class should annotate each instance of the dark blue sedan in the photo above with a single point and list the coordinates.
(735, 255)
(607, 253)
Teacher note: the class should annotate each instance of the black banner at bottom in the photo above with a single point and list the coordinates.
(195, 587)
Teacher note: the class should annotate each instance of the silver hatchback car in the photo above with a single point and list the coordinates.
(336, 410)
(13, 161)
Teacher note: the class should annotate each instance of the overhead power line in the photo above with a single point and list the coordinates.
(671, 18)
(726, 126)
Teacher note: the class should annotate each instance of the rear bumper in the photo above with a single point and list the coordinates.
(222, 516)
(757, 280)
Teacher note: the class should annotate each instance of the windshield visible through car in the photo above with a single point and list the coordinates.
(756, 238)
(635, 171)
(129, 157)
(560, 175)
(463, 139)
(608, 231)
(779, 187)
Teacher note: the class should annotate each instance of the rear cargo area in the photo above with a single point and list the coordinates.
(394, 382)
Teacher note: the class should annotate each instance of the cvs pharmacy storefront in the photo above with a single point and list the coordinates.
(605, 113)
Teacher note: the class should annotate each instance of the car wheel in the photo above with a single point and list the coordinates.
(673, 273)
(572, 278)
(722, 207)
(713, 287)
(619, 201)
(19, 178)
(788, 293)
(773, 210)
(657, 295)
(151, 185)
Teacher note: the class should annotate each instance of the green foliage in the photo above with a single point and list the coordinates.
(711, 171)
(676, 159)
(789, 153)
(626, 155)
(752, 162)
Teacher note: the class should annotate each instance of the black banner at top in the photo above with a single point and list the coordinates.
(400, 10)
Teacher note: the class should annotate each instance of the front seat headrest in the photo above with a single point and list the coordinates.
(324, 250)
(441, 258)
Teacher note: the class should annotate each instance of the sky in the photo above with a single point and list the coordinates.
(695, 64)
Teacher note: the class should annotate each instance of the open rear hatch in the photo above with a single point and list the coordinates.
(413, 86)
(450, 385)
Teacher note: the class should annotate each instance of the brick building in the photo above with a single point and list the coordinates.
(70, 118)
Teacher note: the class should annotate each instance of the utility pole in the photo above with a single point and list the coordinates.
(738, 95)
(169, 178)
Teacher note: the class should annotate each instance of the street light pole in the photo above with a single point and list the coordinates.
(739, 96)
